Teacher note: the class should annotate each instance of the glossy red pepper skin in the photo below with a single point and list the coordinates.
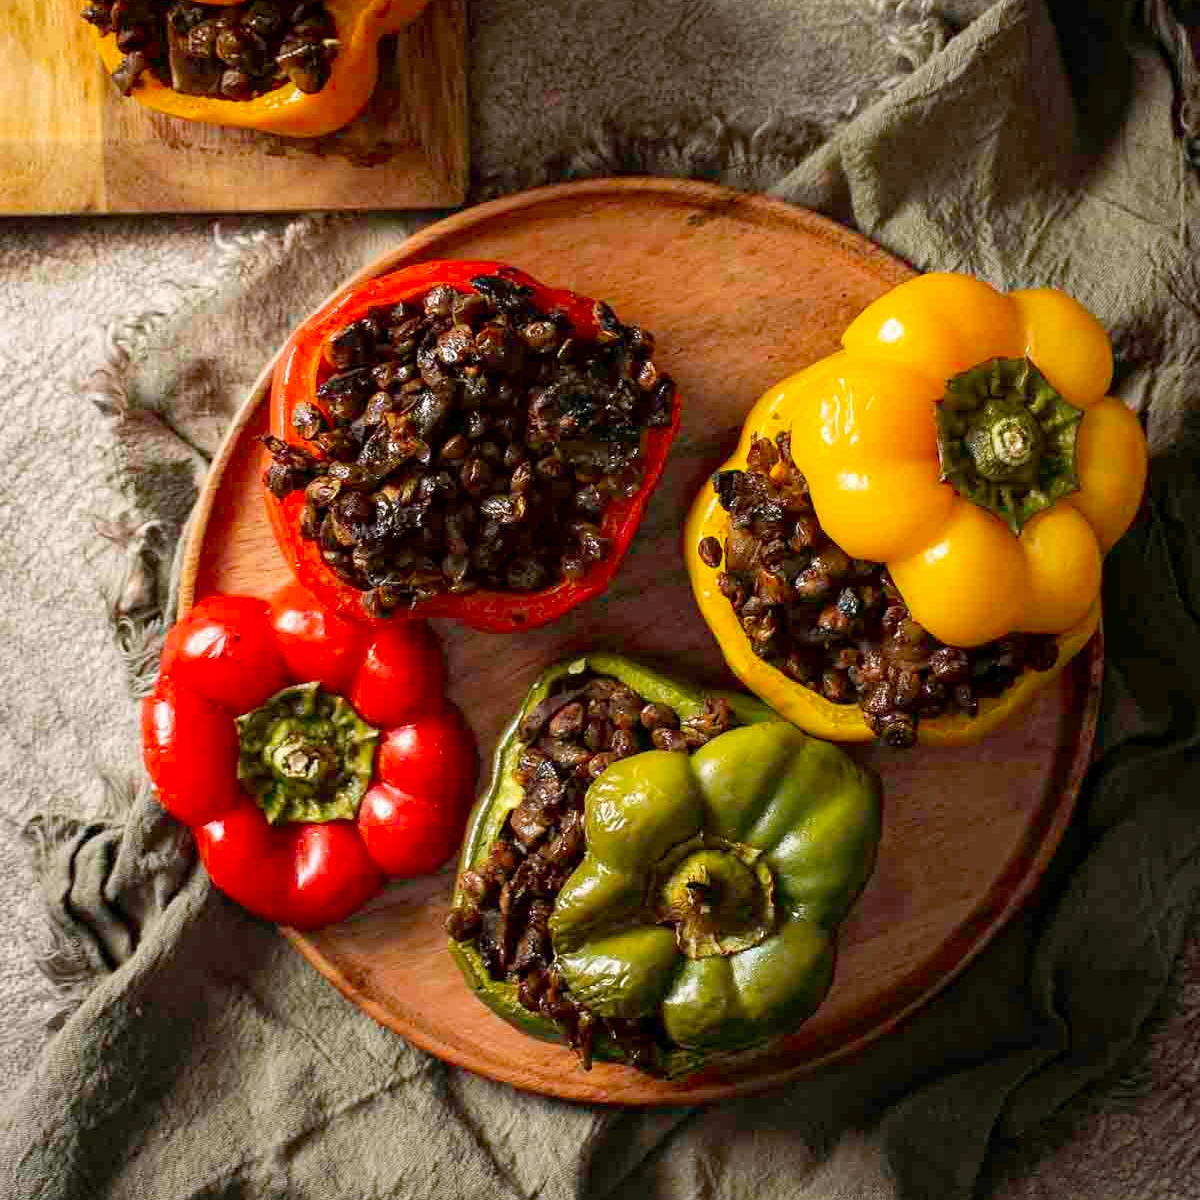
(302, 368)
(242, 649)
(304, 876)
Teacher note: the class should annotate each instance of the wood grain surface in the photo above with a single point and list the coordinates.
(69, 143)
(740, 291)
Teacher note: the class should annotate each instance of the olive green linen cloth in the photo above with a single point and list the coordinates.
(210, 1061)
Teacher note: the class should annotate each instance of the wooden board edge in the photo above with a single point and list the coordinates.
(203, 508)
(443, 126)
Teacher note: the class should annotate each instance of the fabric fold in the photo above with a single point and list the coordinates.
(211, 1060)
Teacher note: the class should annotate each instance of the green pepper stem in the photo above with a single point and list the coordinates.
(718, 895)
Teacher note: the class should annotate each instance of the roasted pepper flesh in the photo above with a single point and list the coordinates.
(864, 430)
(288, 111)
(710, 887)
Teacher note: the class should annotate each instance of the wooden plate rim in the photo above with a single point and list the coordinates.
(971, 937)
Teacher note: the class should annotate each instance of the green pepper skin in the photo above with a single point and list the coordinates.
(797, 805)
(807, 809)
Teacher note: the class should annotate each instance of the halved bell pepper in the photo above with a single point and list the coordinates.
(288, 111)
(303, 367)
(964, 438)
(712, 883)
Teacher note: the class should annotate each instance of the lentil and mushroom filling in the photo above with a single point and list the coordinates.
(838, 625)
(233, 52)
(469, 440)
(568, 740)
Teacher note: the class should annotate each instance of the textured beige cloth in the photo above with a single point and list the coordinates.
(209, 1060)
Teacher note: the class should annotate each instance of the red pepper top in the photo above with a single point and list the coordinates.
(303, 368)
(360, 768)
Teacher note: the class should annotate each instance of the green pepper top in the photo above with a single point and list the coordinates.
(712, 883)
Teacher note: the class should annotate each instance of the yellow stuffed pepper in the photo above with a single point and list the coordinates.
(909, 535)
(295, 69)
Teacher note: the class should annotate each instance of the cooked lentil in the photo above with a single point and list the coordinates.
(469, 440)
(838, 625)
(233, 52)
(568, 740)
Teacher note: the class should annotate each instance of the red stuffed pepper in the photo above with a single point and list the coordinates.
(457, 440)
(312, 758)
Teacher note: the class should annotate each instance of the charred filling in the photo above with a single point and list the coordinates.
(567, 740)
(233, 52)
(468, 440)
(837, 624)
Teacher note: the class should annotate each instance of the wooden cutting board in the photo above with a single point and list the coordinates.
(739, 291)
(69, 143)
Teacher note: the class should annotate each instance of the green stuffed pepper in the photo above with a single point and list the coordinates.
(656, 873)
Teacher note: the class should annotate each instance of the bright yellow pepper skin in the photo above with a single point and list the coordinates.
(864, 431)
(287, 110)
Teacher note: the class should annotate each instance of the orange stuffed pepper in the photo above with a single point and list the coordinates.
(299, 68)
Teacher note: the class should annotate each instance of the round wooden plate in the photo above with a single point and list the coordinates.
(739, 290)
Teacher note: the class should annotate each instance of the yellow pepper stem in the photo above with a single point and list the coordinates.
(1006, 439)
